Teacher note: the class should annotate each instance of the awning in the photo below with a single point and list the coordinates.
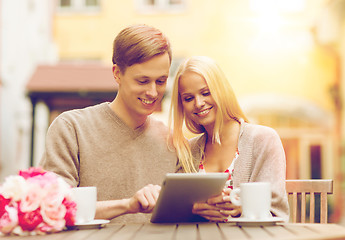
(72, 78)
(68, 86)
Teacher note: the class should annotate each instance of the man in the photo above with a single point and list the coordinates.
(116, 146)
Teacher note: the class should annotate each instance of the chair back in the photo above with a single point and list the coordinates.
(309, 187)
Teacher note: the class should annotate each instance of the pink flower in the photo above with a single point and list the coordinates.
(53, 197)
(52, 208)
(32, 172)
(9, 219)
(29, 220)
(35, 202)
(43, 227)
(54, 216)
(3, 203)
(44, 181)
(13, 187)
(71, 210)
(32, 198)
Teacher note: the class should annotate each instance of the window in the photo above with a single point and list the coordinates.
(93, 3)
(79, 5)
(65, 3)
(157, 6)
(315, 161)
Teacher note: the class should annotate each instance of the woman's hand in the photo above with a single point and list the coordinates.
(218, 208)
(227, 206)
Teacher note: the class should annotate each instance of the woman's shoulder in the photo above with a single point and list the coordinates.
(197, 147)
(197, 140)
(258, 135)
(256, 130)
(257, 139)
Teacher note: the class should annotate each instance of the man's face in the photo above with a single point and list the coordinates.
(142, 85)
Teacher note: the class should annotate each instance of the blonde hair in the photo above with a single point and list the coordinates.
(223, 95)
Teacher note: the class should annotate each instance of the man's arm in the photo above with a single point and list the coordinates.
(61, 151)
(143, 201)
(61, 156)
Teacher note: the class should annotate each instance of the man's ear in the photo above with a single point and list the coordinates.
(116, 73)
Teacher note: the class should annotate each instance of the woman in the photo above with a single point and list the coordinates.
(204, 101)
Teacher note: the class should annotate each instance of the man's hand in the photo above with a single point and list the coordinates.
(144, 200)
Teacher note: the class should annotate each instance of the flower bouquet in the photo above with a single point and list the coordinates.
(35, 202)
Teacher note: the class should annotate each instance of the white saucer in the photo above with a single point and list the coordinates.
(97, 223)
(242, 221)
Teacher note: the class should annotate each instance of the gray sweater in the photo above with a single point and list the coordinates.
(94, 147)
(261, 159)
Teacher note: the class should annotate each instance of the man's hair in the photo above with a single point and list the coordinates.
(137, 44)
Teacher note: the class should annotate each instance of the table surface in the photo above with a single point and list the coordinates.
(198, 231)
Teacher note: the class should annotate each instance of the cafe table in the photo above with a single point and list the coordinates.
(197, 231)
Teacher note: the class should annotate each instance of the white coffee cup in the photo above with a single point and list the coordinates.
(85, 198)
(255, 199)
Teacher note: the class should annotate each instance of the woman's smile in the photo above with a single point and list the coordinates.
(203, 112)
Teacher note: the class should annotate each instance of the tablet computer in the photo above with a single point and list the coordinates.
(181, 190)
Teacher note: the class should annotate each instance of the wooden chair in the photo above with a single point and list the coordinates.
(311, 187)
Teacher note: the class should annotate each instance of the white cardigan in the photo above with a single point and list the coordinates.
(261, 159)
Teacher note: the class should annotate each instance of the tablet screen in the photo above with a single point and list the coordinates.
(181, 190)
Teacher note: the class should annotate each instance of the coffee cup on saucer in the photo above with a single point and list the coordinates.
(85, 198)
(255, 199)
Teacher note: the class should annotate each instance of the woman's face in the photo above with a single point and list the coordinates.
(197, 101)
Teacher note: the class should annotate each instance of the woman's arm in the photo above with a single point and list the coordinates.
(270, 166)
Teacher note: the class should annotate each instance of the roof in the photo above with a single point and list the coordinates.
(72, 78)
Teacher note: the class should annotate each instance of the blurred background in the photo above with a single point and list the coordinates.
(283, 58)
